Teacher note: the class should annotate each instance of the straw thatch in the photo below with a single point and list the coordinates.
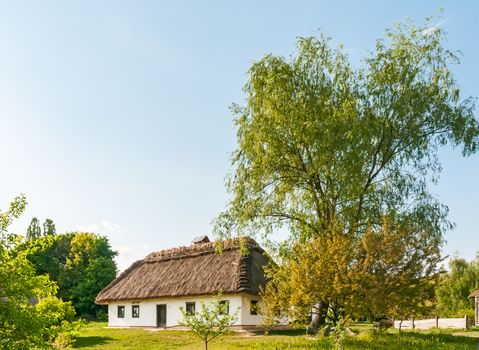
(474, 294)
(194, 270)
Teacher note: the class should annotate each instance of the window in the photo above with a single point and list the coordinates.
(135, 311)
(225, 306)
(190, 308)
(121, 312)
(253, 307)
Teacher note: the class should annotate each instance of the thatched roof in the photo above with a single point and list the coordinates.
(474, 294)
(194, 270)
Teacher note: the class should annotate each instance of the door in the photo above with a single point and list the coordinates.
(161, 315)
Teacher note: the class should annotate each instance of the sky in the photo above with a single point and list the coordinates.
(114, 115)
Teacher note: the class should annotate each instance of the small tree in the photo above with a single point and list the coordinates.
(49, 227)
(34, 230)
(212, 321)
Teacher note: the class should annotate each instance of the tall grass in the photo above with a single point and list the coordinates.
(96, 336)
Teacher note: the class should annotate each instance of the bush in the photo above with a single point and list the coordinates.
(58, 325)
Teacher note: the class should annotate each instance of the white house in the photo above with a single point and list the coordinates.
(151, 291)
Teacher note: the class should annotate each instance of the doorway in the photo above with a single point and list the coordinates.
(161, 315)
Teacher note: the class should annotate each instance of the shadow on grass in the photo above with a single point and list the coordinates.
(287, 332)
(84, 342)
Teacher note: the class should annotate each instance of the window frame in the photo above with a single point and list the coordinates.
(227, 303)
(133, 313)
(188, 306)
(253, 307)
(120, 311)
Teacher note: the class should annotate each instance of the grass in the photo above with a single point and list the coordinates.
(97, 336)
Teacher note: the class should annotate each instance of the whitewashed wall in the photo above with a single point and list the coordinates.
(245, 313)
(432, 323)
(173, 314)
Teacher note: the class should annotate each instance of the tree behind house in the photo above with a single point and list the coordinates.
(82, 264)
(456, 285)
(24, 326)
(323, 143)
(34, 230)
(49, 227)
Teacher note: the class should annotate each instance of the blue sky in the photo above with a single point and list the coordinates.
(114, 114)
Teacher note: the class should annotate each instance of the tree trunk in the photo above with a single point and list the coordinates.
(318, 318)
(206, 345)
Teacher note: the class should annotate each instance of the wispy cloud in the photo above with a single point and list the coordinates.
(88, 228)
(127, 256)
(111, 226)
(430, 30)
(105, 226)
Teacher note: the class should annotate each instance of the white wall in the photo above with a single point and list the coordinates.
(246, 318)
(173, 314)
(431, 323)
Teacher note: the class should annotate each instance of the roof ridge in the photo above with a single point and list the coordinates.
(199, 249)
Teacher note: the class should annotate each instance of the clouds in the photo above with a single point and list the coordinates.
(88, 228)
(432, 29)
(128, 255)
(111, 226)
(104, 227)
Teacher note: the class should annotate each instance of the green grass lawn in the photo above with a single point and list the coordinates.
(97, 336)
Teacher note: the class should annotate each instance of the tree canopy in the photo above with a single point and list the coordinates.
(34, 230)
(82, 264)
(456, 286)
(325, 147)
(30, 317)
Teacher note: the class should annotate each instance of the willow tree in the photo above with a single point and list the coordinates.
(323, 143)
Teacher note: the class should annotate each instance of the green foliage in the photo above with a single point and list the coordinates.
(24, 325)
(211, 321)
(340, 332)
(58, 325)
(16, 208)
(34, 230)
(82, 264)
(455, 287)
(49, 227)
(323, 144)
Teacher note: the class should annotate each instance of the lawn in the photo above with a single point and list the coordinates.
(97, 336)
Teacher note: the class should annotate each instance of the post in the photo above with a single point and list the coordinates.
(476, 311)
(437, 321)
(466, 322)
(413, 327)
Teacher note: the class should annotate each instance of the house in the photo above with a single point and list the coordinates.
(475, 295)
(151, 291)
